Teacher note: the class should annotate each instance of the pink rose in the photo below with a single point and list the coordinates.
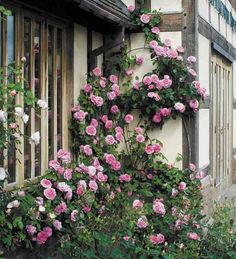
(159, 207)
(142, 222)
(116, 166)
(157, 148)
(64, 155)
(139, 60)
(91, 130)
(180, 49)
(75, 108)
(50, 193)
(87, 88)
(31, 230)
(46, 183)
(80, 115)
(109, 158)
(104, 118)
(119, 130)
(149, 149)
(194, 104)
(131, 8)
(191, 59)
(126, 238)
(110, 140)
(165, 112)
(153, 44)
(86, 208)
(48, 231)
(192, 167)
(61, 208)
(174, 192)
(114, 79)
(138, 130)
(68, 174)
(57, 224)
(182, 186)
(129, 72)
(73, 215)
(94, 123)
(193, 236)
(124, 178)
(155, 30)
(13, 125)
(145, 18)
(108, 124)
(114, 109)
(97, 71)
(157, 239)
(119, 136)
(136, 85)
(129, 118)
(96, 100)
(102, 83)
(41, 237)
(93, 186)
(157, 117)
(111, 96)
(102, 177)
(180, 107)
(167, 82)
(87, 150)
(53, 164)
(140, 138)
(171, 53)
(147, 80)
(200, 175)
(154, 78)
(167, 42)
(192, 72)
(137, 204)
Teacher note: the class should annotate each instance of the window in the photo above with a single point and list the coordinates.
(41, 42)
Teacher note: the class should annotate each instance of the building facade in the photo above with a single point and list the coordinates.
(63, 40)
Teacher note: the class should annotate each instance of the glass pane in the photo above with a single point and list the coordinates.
(50, 93)
(37, 55)
(59, 88)
(27, 128)
(10, 59)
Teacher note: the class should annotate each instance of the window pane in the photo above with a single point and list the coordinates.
(37, 55)
(27, 128)
(59, 88)
(50, 93)
(10, 59)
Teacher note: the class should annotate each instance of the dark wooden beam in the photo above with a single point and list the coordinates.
(190, 135)
(206, 30)
(147, 4)
(172, 22)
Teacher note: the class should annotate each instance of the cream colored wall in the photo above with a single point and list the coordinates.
(129, 2)
(204, 137)
(171, 134)
(96, 43)
(80, 58)
(234, 128)
(167, 5)
(204, 61)
(203, 9)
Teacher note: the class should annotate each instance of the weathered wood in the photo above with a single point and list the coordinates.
(147, 4)
(206, 30)
(172, 22)
(190, 136)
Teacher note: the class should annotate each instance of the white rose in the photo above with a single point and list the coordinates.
(180, 107)
(42, 208)
(35, 137)
(2, 174)
(42, 104)
(52, 215)
(92, 170)
(3, 116)
(16, 135)
(19, 112)
(13, 204)
(25, 118)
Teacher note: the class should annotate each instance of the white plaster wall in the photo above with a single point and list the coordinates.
(171, 134)
(222, 26)
(129, 2)
(167, 5)
(80, 58)
(214, 18)
(204, 59)
(203, 9)
(96, 43)
(234, 128)
(175, 37)
(234, 80)
(203, 137)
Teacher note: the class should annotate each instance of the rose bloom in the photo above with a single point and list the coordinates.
(35, 138)
(142, 222)
(194, 104)
(145, 18)
(131, 8)
(180, 107)
(140, 138)
(180, 49)
(41, 237)
(114, 109)
(129, 118)
(157, 239)
(104, 118)
(68, 174)
(116, 166)
(182, 186)
(108, 124)
(136, 85)
(126, 238)
(102, 177)
(73, 215)
(119, 136)
(46, 183)
(119, 130)
(193, 236)
(111, 95)
(97, 71)
(31, 230)
(64, 155)
(154, 78)
(124, 178)
(57, 225)
(192, 72)
(42, 104)
(87, 88)
(200, 175)
(157, 148)
(96, 100)
(159, 207)
(114, 79)
(109, 158)
(61, 208)
(165, 112)
(191, 59)
(91, 130)
(50, 193)
(192, 167)
(110, 140)
(155, 30)
(13, 92)
(147, 80)
(167, 42)
(138, 130)
(153, 44)
(80, 115)
(149, 149)
(93, 186)
(102, 83)
(139, 60)
(129, 72)
(157, 117)
(137, 204)
(87, 150)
